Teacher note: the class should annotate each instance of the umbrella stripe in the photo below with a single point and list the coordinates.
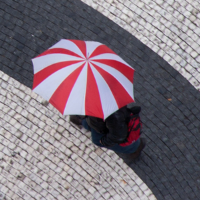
(69, 45)
(121, 67)
(109, 104)
(93, 105)
(81, 45)
(76, 101)
(127, 84)
(91, 46)
(121, 96)
(60, 51)
(101, 50)
(45, 61)
(109, 56)
(60, 96)
(46, 72)
(47, 87)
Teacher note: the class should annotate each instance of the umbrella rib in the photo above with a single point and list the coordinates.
(49, 70)
(93, 106)
(59, 98)
(119, 92)
(59, 51)
(121, 67)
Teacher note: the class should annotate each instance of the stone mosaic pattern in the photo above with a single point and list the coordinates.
(170, 28)
(44, 157)
(169, 164)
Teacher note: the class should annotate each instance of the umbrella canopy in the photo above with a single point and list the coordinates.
(83, 78)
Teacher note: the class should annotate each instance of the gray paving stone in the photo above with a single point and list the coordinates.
(57, 20)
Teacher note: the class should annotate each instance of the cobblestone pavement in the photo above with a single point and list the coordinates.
(170, 28)
(44, 157)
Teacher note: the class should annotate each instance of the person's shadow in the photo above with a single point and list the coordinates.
(169, 164)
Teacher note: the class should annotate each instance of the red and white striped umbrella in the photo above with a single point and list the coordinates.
(83, 78)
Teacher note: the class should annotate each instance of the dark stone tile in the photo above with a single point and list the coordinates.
(170, 105)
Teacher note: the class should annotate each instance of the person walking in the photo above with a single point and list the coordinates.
(113, 132)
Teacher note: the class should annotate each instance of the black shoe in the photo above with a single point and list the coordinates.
(75, 119)
(137, 153)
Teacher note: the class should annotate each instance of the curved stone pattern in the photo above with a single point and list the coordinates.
(169, 28)
(169, 164)
(44, 157)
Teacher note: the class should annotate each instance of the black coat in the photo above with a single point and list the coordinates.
(114, 128)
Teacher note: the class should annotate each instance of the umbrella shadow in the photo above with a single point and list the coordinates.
(169, 164)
